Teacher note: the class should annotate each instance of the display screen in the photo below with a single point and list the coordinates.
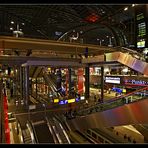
(113, 80)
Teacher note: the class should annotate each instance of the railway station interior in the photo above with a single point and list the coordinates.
(74, 74)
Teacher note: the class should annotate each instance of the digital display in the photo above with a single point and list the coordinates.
(113, 80)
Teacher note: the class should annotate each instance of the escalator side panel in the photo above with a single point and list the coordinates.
(134, 113)
(43, 133)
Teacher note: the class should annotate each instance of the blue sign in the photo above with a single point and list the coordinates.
(61, 102)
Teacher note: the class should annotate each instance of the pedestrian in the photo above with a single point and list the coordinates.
(125, 136)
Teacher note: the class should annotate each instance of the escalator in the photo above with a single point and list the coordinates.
(128, 109)
(26, 136)
(42, 132)
(121, 57)
(60, 133)
(51, 84)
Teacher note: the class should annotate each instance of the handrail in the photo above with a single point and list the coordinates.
(32, 132)
(20, 130)
(101, 107)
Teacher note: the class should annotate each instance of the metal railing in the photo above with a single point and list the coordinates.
(115, 102)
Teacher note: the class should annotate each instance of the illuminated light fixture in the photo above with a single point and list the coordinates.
(12, 22)
(6, 71)
(82, 98)
(133, 5)
(11, 28)
(92, 18)
(125, 69)
(56, 100)
(126, 8)
(71, 100)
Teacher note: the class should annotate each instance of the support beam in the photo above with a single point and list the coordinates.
(87, 88)
(21, 83)
(26, 85)
(70, 85)
(102, 84)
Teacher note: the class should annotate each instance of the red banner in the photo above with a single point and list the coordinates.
(80, 81)
(7, 130)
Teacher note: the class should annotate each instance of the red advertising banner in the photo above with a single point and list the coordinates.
(7, 130)
(80, 81)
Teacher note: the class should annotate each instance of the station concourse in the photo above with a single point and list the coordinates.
(74, 74)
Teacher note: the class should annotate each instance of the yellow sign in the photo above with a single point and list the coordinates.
(56, 100)
(71, 100)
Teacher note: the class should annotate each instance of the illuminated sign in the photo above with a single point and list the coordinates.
(137, 82)
(114, 80)
(71, 100)
(61, 102)
(124, 90)
(56, 100)
(78, 99)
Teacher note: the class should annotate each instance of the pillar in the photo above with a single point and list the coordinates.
(102, 83)
(26, 85)
(87, 82)
(69, 77)
(21, 83)
(36, 91)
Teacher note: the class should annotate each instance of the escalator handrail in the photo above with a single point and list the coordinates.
(34, 136)
(113, 100)
(20, 129)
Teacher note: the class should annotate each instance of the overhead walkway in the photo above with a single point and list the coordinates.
(120, 57)
(128, 109)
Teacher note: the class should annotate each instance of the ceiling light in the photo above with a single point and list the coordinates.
(12, 22)
(126, 8)
(133, 5)
(11, 28)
